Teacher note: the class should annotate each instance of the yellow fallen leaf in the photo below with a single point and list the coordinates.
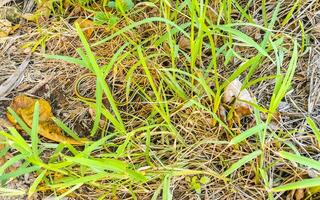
(233, 93)
(5, 28)
(24, 106)
(86, 25)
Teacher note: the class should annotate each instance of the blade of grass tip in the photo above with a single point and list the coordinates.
(129, 77)
(19, 172)
(166, 193)
(289, 15)
(4, 151)
(66, 128)
(306, 183)
(35, 184)
(101, 164)
(302, 27)
(314, 128)
(247, 133)
(241, 162)
(156, 193)
(300, 159)
(34, 130)
(11, 161)
(244, 38)
(19, 142)
(264, 12)
(68, 191)
(67, 59)
(95, 145)
(80, 180)
(21, 123)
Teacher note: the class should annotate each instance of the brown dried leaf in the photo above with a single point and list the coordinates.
(299, 194)
(233, 93)
(184, 43)
(24, 106)
(86, 25)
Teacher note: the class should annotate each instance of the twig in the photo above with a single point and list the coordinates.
(15, 79)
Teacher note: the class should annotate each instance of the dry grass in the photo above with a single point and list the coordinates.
(206, 146)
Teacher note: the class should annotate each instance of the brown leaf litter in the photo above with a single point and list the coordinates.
(24, 108)
(237, 99)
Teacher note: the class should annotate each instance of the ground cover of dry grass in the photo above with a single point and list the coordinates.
(159, 126)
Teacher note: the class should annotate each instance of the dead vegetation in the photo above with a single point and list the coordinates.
(177, 131)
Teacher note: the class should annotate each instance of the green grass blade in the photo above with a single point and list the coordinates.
(35, 183)
(301, 160)
(19, 172)
(21, 123)
(101, 164)
(67, 59)
(314, 128)
(98, 72)
(166, 193)
(244, 38)
(19, 141)
(306, 183)
(69, 191)
(241, 162)
(66, 128)
(11, 161)
(247, 133)
(34, 130)
(80, 180)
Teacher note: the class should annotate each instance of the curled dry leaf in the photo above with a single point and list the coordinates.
(233, 93)
(86, 25)
(24, 107)
(184, 43)
(6, 28)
